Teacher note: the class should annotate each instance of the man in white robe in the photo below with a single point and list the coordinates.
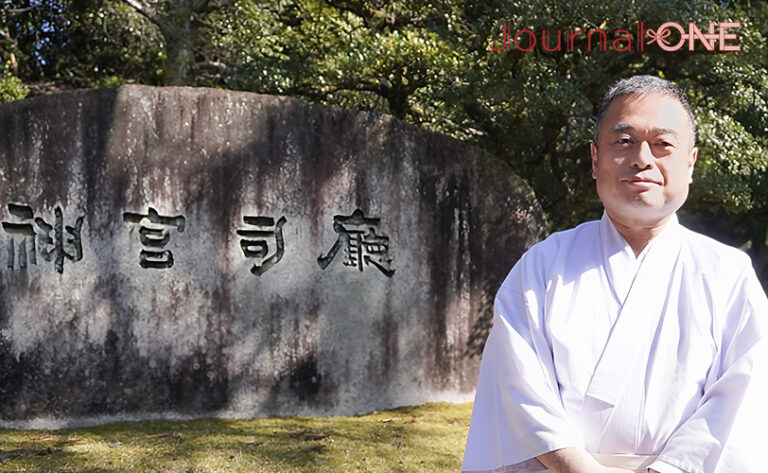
(628, 344)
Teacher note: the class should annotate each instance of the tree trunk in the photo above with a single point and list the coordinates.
(179, 32)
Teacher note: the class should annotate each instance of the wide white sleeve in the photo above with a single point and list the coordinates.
(725, 432)
(518, 413)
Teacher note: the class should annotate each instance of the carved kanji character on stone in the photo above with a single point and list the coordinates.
(154, 235)
(66, 241)
(256, 244)
(362, 246)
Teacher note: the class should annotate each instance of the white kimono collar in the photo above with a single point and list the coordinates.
(619, 259)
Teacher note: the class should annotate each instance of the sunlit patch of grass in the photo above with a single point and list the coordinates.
(427, 438)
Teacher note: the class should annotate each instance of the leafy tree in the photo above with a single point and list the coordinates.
(79, 43)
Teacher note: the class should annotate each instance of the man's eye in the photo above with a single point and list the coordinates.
(664, 143)
(623, 141)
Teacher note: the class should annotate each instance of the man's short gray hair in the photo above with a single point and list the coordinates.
(644, 85)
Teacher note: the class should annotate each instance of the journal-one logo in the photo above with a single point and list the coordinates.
(669, 36)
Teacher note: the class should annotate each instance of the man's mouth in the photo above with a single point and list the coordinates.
(642, 180)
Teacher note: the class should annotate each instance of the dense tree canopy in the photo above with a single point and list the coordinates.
(429, 63)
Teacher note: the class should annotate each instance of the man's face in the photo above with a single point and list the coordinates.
(643, 161)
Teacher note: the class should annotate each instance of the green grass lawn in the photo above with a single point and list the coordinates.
(428, 438)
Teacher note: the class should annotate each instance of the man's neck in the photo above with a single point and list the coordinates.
(638, 236)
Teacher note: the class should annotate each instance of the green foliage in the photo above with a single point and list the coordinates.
(79, 43)
(733, 165)
(11, 88)
(428, 438)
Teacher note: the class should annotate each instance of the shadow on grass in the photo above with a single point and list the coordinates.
(424, 438)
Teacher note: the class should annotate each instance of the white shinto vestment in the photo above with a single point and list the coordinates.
(663, 355)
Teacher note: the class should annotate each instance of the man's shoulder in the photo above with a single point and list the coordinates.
(565, 238)
(712, 255)
(549, 254)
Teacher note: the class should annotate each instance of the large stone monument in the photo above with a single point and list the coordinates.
(180, 252)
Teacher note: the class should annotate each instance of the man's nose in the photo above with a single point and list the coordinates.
(643, 158)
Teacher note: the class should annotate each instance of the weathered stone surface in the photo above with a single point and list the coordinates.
(111, 334)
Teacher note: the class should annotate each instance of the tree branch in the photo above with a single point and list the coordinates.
(212, 65)
(143, 8)
(21, 10)
(209, 6)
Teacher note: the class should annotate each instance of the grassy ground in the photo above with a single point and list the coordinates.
(428, 438)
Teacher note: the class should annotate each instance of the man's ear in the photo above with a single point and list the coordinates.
(691, 161)
(593, 151)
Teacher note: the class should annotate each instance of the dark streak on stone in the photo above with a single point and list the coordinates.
(305, 379)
